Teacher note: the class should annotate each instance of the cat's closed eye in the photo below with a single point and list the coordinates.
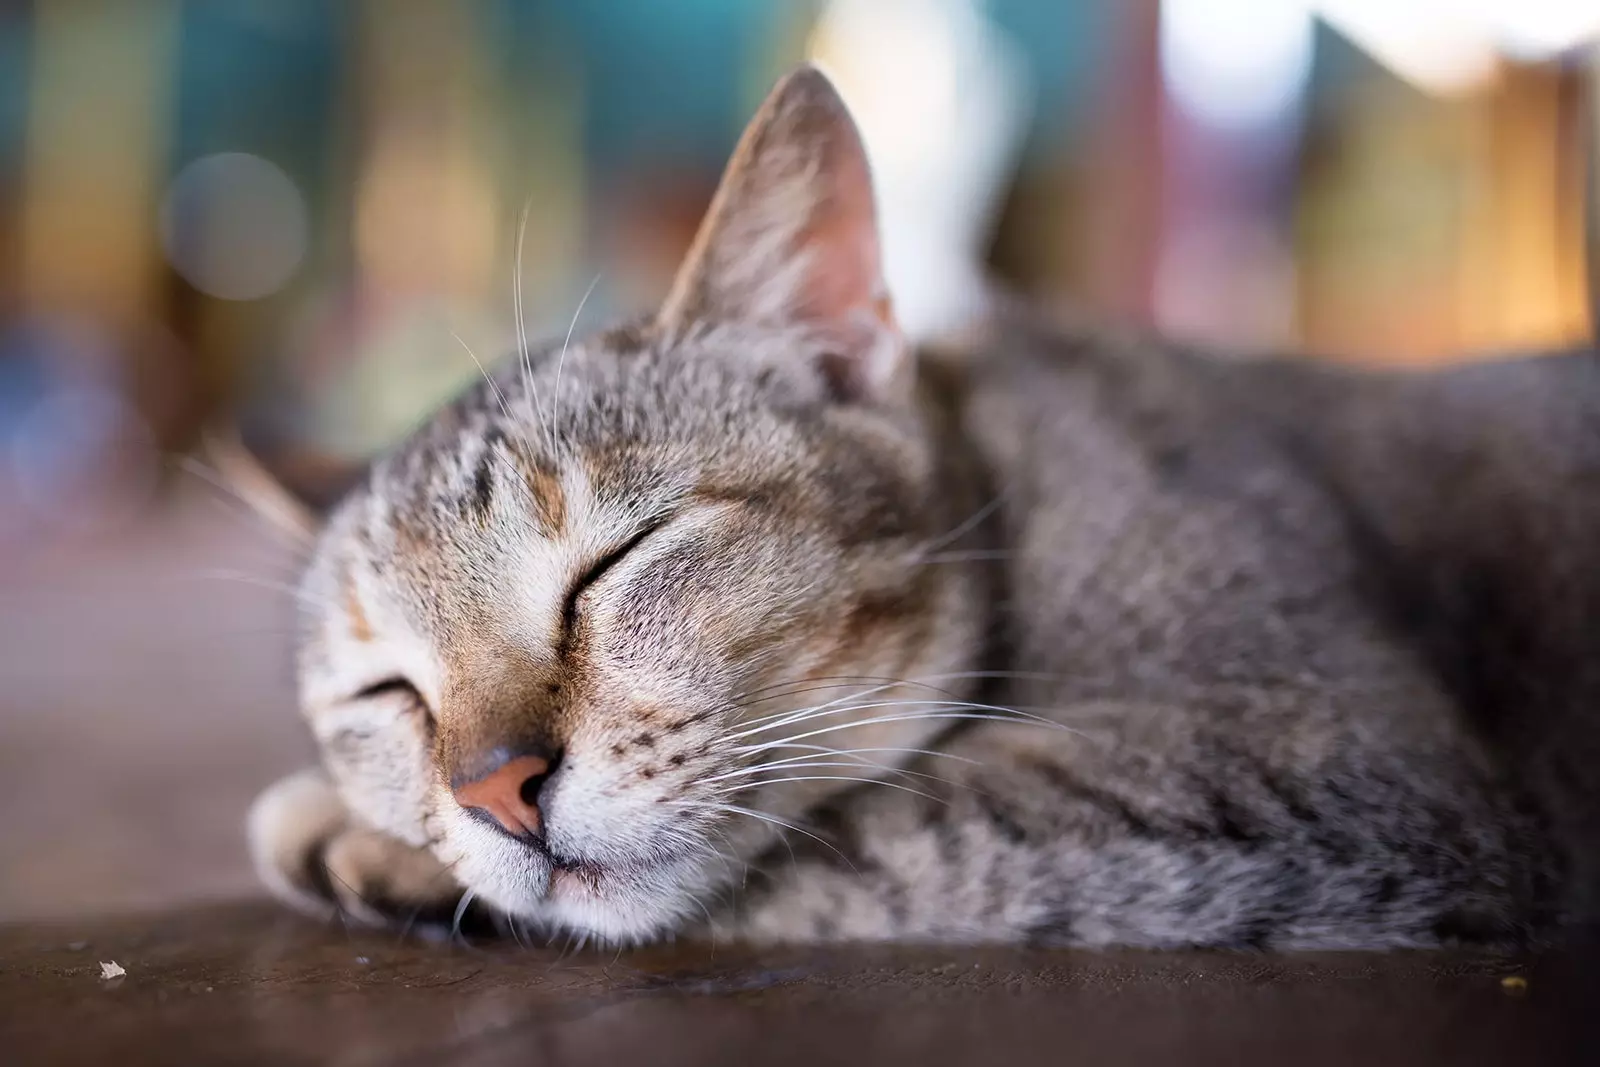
(388, 687)
(398, 690)
(569, 614)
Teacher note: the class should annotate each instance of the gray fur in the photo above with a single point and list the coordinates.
(1144, 648)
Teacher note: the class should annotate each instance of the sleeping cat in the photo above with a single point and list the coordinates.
(749, 620)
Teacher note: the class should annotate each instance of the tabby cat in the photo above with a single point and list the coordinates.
(751, 620)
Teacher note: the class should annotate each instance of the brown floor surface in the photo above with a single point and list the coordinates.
(145, 697)
(245, 984)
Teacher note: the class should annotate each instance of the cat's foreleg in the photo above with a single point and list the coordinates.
(316, 857)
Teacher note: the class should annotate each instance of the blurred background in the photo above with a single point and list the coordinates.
(304, 218)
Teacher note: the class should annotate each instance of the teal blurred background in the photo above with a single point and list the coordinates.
(300, 216)
(296, 217)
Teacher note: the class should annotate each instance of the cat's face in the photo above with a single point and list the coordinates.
(629, 560)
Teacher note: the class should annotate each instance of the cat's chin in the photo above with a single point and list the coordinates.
(616, 906)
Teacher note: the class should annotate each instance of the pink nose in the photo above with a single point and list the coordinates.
(509, 794)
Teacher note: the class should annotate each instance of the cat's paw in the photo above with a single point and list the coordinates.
(314, 857)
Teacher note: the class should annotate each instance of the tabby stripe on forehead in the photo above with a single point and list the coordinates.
(483, 476)
(360, 627)
(483, 483)
(549, 500)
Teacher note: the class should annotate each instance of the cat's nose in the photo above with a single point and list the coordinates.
(509, 792)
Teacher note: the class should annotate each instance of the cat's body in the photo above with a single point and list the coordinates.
(796, 635)
(1273, 602)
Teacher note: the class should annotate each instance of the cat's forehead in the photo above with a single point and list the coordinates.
(574, 453)
(633, 419)
(564, 454)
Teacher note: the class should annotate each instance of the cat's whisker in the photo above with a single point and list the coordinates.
(289, 535)
(953, 716)
(288, 530)
(827, 750)
(516, 932)
(461, 911)
(855, 691)
(824, 757)
(803, 761)
(354, 893)
(756, 782)
(798, 714)
(766, 817)
(974, 556)
(925, 680)
(531, 395)
(966, 526)
(930, 712)
(505, 409)
(830, 778)
(834, 708)
(304, 598)
(555, 398)
(707, 911)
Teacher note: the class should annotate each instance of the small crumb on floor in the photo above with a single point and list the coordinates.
(111, 970)
(1514, 984)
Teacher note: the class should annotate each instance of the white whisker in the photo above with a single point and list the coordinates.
(835, 708)
(842, 681)
(765, 817)
(498, 395)
(974, 556)
(825, 750)
(971, 523)
(300, 595)
(823, 757)
(532, 394)
(461, 911)
(289, 534)
(928, 716)
(855, 694)
(555, 397)
(833, 778)
(804, 763)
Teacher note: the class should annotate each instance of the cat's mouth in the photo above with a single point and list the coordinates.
(563, 863)
(574, 871)
(571, 864)
(619, 895)
(575, 876)
(585, 877)
(558, 861)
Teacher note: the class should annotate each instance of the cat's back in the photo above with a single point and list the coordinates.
(1459, 509)
(1160, 532)
(1378, 564)
(1474, 492)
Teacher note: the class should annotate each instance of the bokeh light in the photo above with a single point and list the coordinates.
(234, 225)
(1236, 63)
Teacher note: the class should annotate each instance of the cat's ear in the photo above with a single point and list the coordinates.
(791, 240)
(242, 473)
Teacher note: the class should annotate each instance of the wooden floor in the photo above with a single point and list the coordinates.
(145, 697)
(245, 984)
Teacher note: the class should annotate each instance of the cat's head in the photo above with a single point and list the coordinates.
(558, 635)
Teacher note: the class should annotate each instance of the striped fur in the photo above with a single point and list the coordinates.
(1056, 637)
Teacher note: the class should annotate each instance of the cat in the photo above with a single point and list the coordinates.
(749, 620)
